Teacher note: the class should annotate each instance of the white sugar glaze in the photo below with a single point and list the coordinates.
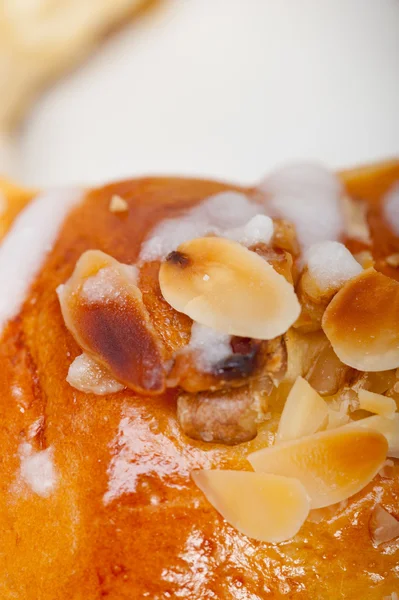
(331, 265)
(27, 244)
(228, 214)
(37, 470)
(308, 195)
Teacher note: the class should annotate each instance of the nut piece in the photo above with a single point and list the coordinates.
(305, 412)
(267, 508)
(389, 428)
(383, 526)
(362, 322)
(332, 465)
(223, 285)
(118, 204)
(220, 417)
(103, 309)
(87, 375)
(377, 403)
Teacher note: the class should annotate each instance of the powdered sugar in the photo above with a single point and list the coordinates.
(26, 245)
(210, 346)
(309, 196)
(86, 375)
(220, 214)
(259, 229)
(331, 265)
(391, 207)
(37, 469)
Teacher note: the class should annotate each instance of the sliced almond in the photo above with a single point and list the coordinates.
(223, 285)
(387, 470)
(383, 526)
(305, 412)
(337, 418)
(87, 375)
(103, 309)
(332, 465)
(268, 508)
(377, 403)
(362, 322)
(389, 428)
(118, 204)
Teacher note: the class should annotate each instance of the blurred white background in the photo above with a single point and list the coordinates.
(224, 88)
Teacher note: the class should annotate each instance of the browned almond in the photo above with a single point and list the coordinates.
(332, 465)
(362, 322)
(225, 286)
(103, 309)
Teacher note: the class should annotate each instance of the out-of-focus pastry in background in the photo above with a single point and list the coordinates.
(41, 39)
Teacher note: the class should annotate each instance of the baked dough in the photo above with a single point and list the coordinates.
(124, 519)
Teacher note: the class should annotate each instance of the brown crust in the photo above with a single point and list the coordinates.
(160, 538)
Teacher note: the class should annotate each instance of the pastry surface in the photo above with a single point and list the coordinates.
(125, 520)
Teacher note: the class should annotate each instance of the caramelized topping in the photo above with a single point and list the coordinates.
(226, 287)
(305, 412)
(332, 465)
(267, 508)
(362, 322)
(103, 309)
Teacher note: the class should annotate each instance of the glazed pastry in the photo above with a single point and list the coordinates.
(199, 387)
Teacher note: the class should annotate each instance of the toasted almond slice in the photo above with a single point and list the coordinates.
(223, 285)
(389, 428)
(362, 322)
(268, 508)
(305, 412)
(377, 403)
(337, 418)
(332, 465)
(103, 309)
(383, 526)
(118, 204)
(89, 376)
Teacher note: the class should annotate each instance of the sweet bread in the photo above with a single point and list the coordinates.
(199, 388)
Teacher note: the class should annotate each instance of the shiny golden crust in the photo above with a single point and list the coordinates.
(160, 538)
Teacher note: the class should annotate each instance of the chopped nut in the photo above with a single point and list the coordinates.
(118, 204)
(383, 526)
(393, 260)
(355, 216)
(89, 376)
(103, 309)
(220, 417)
(365, 259)
(332, 465)
(242, 295)
(265, 507)
(387, 470)
(304, 413)
(377, 403)
(362, 322)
